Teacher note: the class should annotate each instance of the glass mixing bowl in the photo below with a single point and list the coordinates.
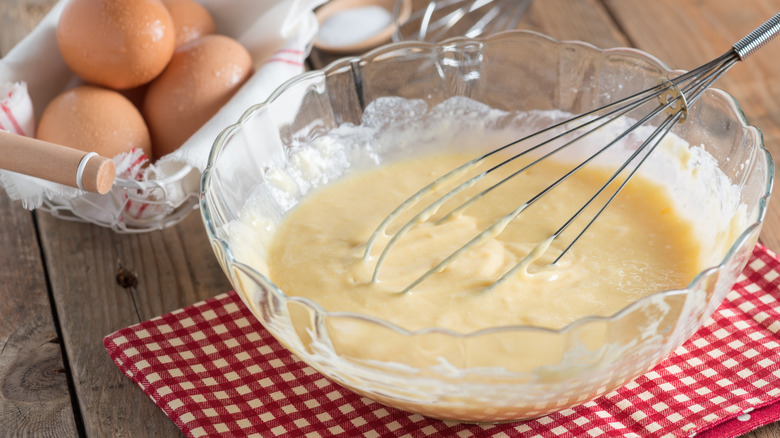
(498, 374)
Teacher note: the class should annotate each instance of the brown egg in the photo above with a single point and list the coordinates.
(202, 76)
(190, 20)
(94, 119)
(116, 43)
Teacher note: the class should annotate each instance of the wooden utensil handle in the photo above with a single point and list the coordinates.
(56, 163)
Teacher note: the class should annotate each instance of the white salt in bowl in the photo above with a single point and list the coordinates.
(352, 27)
(502, 373)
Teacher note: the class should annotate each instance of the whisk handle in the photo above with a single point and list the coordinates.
(756, 39)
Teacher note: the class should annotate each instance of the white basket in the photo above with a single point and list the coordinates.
(277, 34)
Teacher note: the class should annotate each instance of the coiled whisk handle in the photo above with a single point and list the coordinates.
(756, 39)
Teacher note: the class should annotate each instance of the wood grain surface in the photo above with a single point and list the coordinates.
(84, 282)
(91, 272)
(34, 395)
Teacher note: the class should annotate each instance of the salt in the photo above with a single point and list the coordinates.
(353, 26)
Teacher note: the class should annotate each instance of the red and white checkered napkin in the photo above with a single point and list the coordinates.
(215, 371)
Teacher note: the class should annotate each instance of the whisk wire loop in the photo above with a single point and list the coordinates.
(616, 108)
(613, 112)
(651, 142)
(500, 224)
(675, 96)
(611, 115)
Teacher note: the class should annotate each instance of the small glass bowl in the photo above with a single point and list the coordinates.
(503, 373)
(437, 20)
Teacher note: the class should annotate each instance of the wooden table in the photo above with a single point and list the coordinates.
(59, 293)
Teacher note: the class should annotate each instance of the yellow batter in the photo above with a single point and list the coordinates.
(638, 246)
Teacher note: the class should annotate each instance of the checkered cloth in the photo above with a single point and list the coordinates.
(215, 371)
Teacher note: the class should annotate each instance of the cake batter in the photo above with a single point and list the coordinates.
(638, 246)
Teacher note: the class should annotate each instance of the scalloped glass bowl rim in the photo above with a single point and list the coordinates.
(257, 276)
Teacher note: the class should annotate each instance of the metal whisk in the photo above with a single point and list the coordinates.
(674, 96)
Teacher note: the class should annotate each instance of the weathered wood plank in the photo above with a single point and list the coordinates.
(174, 268)
(34, 397)
(574, 20)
